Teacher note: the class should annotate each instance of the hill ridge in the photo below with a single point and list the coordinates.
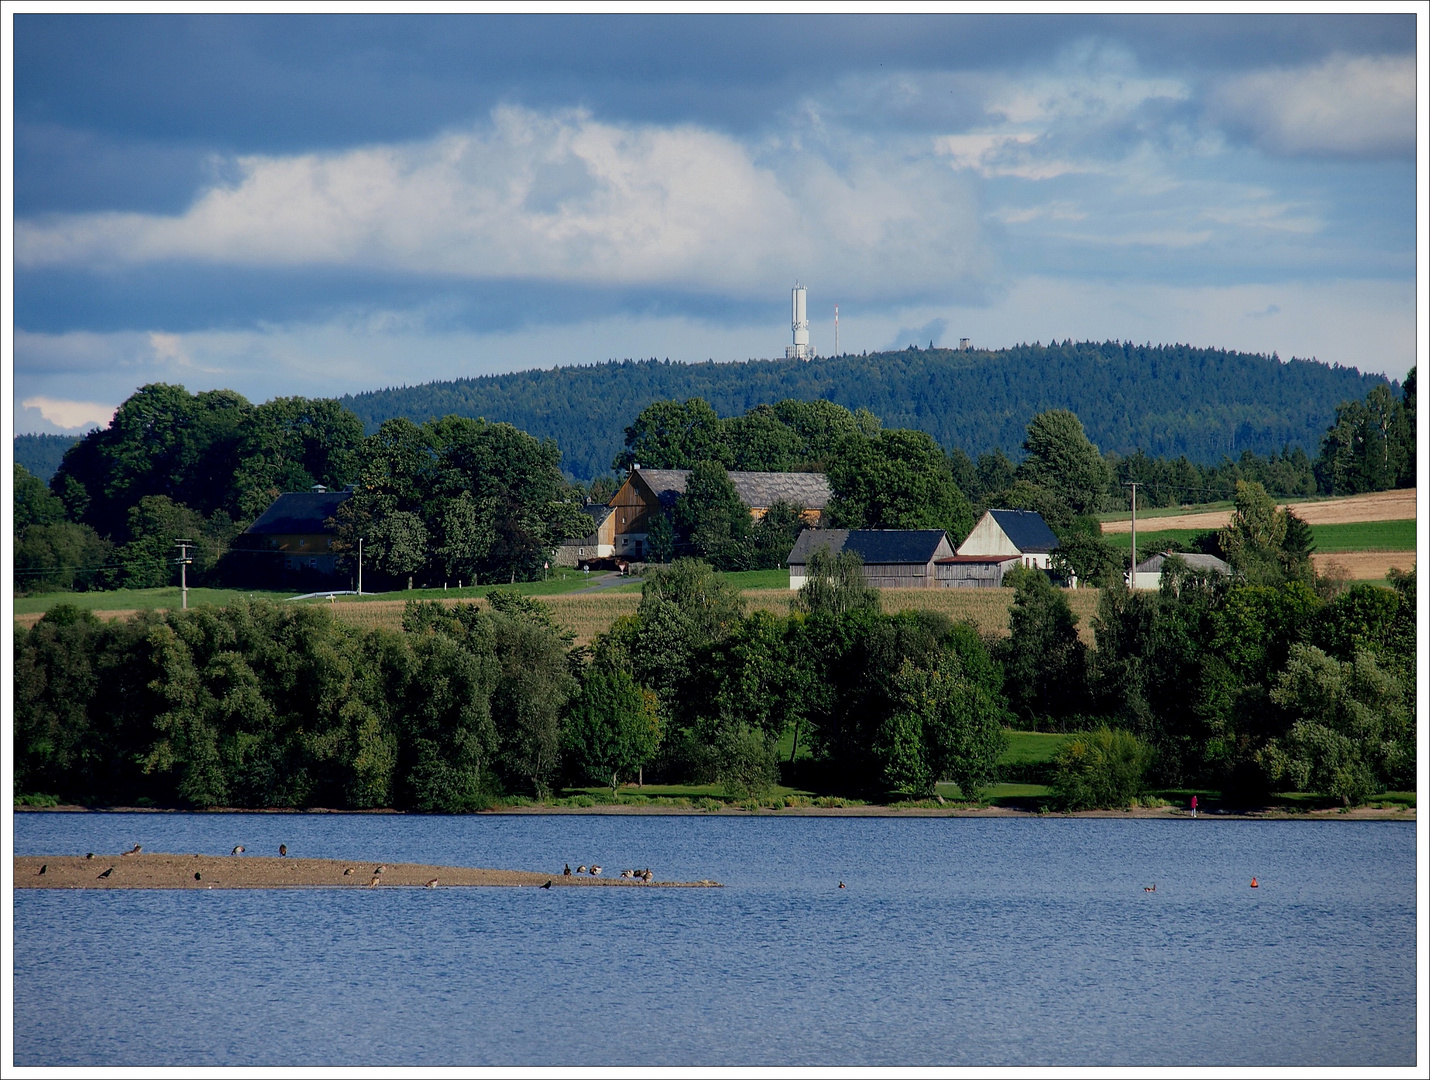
(1165, 399)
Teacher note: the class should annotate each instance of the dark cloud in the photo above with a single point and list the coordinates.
(187, 298)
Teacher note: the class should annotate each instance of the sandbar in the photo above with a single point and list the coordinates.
(164, 871)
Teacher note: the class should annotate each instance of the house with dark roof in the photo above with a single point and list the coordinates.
(649, 491)
(298, 527)
(1022, 534)
(893, 558)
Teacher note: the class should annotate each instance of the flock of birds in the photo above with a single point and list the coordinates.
(595, 871)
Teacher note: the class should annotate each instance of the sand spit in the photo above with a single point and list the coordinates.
(159, 871)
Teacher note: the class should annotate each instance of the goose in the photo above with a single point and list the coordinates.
(375, 879)
(546, 886)
(107, 872)
(197, 876)
(646, 874)
(431, 884)
(595, 871)
(282, 849)
(841, 885)
(1150, 888)
(348, 871)
(44, 867)
(379, 869)
(89, 855)
(135, 850)
(567, 871)
(238, 850)
(628, 873)
(580, 869)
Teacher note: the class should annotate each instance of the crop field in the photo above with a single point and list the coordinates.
(1397, 505)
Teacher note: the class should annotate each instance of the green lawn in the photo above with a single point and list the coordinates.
(1353, 536)
(1030, 747)
(562, 580)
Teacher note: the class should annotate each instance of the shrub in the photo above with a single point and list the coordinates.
(1101, 769)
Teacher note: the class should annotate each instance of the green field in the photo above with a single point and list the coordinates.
(562, 580)
(1352, 536)
(1031, 747)
(1169, 511)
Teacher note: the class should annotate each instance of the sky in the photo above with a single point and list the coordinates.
(316, 205)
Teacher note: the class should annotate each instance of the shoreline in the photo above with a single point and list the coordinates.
(174, 871)
(1160, 813)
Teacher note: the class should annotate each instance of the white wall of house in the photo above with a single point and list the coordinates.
(987, 539)
(796, 578)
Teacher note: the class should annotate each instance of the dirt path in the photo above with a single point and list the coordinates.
(160, 871)
(1377, 506)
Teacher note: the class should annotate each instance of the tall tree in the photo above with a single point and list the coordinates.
(1063, 460)
(900, 479)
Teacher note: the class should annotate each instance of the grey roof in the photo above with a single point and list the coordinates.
(874, 546)
(598, 514)
(1194, 560)
(1027, 529)
(810, 491)
(300, 512)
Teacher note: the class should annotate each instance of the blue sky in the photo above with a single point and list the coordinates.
(321, 204)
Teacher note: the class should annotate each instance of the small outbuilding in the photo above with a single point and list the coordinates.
(1149, 571)
(973, 571)
(1022, 534)
(599, 543)
(893, 558)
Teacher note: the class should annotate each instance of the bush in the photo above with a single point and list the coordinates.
(746, 763)
(1100, 770)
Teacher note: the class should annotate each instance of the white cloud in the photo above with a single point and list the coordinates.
(71, 415)
(1346, 105)
(561, 197)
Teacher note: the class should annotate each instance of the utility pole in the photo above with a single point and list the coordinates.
(359, 566)
(836, 329)
(1132, 577)
(183, 561)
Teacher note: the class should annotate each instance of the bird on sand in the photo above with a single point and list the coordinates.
(379, 869)
(628, 873)
(376, 878)
(546, 886)
(567, 871)
(135, 850)
(646, 874)
(89, 855)
(238, 850)
(282, 849)
(580, 869)
(197, 876)
(431, 884)
(348, 871)
(44, 867)
(107, 872)
(595, 870)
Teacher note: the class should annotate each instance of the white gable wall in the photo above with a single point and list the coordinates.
(987, 538)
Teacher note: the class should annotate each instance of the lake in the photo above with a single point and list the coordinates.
(957, 941)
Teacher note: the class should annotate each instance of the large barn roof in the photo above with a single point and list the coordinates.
(874, 546)
(809, 491)
(296, 513)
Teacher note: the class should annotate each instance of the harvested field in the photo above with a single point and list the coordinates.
(590, 614)
(1396, 505)
(1364, 565)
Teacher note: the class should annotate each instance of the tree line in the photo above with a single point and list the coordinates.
(1213, 682)
(1169, 400)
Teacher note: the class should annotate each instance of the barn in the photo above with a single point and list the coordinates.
(893, 558)
(1020, 533)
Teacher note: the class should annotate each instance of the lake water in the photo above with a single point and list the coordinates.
(956, 942)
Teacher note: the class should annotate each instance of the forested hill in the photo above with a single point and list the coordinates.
(41, 454)
(1166, 400)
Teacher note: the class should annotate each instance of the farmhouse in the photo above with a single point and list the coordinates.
(1022, 534)
(648, 491)
(1149, 572)
(893, 558)
(297, 525)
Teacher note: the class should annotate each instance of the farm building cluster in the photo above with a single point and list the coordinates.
(300, 528)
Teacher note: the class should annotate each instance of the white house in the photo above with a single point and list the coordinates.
(1149, 572)
(1020, 533)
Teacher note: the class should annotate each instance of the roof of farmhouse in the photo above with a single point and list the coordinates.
(1027, 529)
(757, 490)
(874, 546)
(297, 512)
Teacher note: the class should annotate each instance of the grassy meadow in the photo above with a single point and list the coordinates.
(1329, 539)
